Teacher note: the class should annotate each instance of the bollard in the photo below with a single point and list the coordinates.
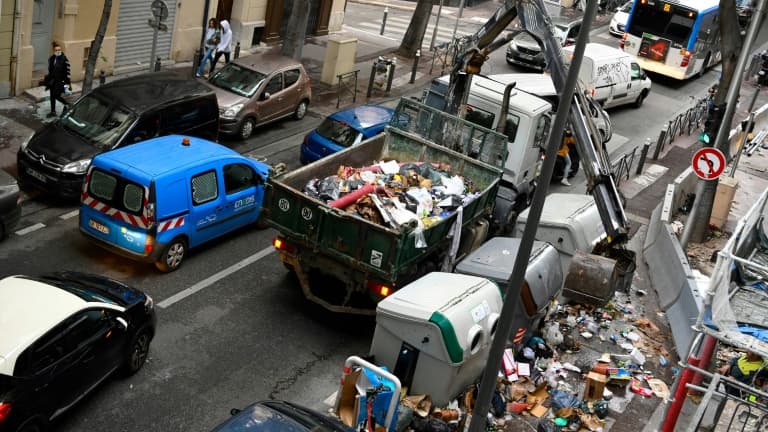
(415, 66)
(384, 20)
(370, 82)
(391, 75)
(643, 155)
(237, 50)
(196, 61)
(659, 143)
(102, 77)
(157, 64)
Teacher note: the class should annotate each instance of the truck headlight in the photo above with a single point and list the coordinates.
(78, 167)
(232, 111)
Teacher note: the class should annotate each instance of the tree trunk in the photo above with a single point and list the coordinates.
(414, 36)
(296, 30)
(93, 52)
(731, 42)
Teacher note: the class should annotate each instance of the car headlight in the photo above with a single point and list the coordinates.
(78, 167)
(25, 143)
(232, 111)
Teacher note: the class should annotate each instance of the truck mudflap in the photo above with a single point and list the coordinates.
(593, 279)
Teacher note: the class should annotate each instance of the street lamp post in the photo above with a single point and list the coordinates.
(437, 22)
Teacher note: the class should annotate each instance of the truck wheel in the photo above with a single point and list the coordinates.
(246, 129)
(172, 255)
(640, 99)
(301, 110)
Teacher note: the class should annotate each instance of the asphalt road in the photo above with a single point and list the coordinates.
(233, 327)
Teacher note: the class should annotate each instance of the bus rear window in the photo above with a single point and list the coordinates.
(116, 192)
(675, 24)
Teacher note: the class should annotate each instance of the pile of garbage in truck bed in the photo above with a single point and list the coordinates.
(579, 373)
(395, 194)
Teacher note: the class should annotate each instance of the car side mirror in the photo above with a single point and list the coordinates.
(265, 96)
(234, 411)
(122, 322)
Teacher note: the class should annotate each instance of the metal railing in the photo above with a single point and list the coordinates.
(684, 123)
(347, 84)
(621, 167)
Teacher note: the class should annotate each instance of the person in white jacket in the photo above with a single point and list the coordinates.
(225, 42)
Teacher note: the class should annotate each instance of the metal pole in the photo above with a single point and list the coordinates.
(754, 98)
(437, 22)
(154, 45)
(415, 66)
(384, 20)
(660, 143)
(512, 296)
(461, 11)
(750, 124)
(725, 126)
(643, 155)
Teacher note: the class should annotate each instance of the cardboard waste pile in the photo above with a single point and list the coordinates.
(395, 195)
(578, 374)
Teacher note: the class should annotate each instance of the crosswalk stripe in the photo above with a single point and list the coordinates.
(444, 35)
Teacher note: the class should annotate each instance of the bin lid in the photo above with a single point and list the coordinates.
(434, 292)
(575, 213)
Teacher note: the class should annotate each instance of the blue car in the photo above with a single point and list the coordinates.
(344, 129)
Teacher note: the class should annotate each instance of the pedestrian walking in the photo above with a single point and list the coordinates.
(564, 152)
(212, 39)
(57, 81)
(225, 41)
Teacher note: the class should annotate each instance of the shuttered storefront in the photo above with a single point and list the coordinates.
(134, 35)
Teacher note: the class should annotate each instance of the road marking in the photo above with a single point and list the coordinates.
(69, 215)
(181, 295)
(29, 229)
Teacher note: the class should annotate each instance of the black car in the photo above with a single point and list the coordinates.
(275, 415)
(10, 210)
(113, 115)
(63, 334)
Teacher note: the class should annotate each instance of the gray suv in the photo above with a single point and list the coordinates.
(525, 51)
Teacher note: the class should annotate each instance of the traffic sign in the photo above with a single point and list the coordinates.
(156, 25)
(708, 163)
(159, 10)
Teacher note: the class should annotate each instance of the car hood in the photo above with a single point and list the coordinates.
(60, 146)
(226, 98)
(620, 17)
(526, 41)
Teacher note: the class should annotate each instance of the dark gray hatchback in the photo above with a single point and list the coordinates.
(117, 114)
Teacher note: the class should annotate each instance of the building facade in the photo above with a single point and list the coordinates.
(29, 27)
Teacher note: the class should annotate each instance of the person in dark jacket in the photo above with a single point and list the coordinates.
(57, 80)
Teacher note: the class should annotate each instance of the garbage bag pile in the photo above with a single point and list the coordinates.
(397, 195)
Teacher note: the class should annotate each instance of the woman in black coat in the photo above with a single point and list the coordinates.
(58, 78)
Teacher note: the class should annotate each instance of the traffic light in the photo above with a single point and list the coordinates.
(705, 137)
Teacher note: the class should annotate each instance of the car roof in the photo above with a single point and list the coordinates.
(175, 155)
(267, 62)
(146, 91)
(28, 309)
(364, 116)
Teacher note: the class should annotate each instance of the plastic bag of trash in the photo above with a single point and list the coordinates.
(562, 399)
(424, 199)
(420, 241)
(311, 188)
(552, 334)
(429, 172)
(329, 189)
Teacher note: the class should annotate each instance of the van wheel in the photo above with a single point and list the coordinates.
(246, 129)
(301, 110)
(640, 99)
(172, 255)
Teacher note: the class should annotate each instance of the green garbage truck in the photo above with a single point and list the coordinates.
(348, 257)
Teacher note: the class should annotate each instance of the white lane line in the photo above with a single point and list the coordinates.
(69, 215)
(181, 295)
(29, 229)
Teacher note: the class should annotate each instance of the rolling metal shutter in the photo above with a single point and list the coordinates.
(134, 35)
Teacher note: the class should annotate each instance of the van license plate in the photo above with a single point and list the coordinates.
(98, 227)
(36, 175)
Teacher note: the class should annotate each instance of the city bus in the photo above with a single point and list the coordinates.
(676, 38)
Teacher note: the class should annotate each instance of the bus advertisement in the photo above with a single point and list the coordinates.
(676, 38)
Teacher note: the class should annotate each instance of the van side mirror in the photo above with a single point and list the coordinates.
(643, 75)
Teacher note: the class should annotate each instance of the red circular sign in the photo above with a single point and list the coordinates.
(708, 163)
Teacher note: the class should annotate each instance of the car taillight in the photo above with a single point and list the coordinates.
(280, 244)
(379, 288)
(686, 58)
(149, 245)
(5, 411)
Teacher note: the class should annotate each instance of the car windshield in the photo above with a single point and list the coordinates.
(238, 79)
(626, 7)
(339, 132)
(98, 121)
(676, 25)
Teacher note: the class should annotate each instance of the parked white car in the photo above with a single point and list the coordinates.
(619, 19)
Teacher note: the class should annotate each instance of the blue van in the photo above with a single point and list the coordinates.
(153, 200)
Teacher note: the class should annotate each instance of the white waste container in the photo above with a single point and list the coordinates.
(434, 334)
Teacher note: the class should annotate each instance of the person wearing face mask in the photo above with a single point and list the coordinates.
(58, 78)
(225, 41)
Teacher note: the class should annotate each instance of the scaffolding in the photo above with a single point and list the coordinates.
(735, 312)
